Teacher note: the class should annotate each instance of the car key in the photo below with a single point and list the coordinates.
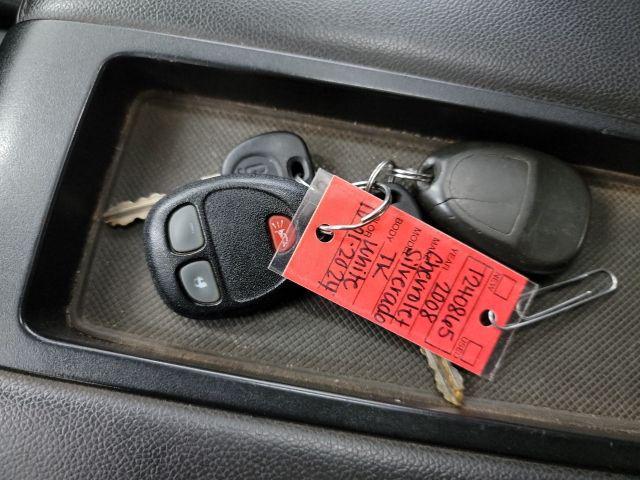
(209, 243)
(524, 208)
(282, 154)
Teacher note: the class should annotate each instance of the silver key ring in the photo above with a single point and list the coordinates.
(368, 218)
(382, 166)
(410, 174)
(394, 172)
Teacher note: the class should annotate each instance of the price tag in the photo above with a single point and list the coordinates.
(403, 275)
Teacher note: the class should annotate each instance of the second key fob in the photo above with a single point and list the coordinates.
(209, 243)
(522, 207)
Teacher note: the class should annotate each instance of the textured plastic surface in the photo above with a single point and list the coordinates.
(522, 207)
(119, 436)
(234, 210)
(282, 154)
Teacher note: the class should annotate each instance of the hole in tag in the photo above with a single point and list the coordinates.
(324, 237)
(487, 318)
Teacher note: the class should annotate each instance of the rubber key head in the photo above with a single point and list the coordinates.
(524, 208)
(281, 154)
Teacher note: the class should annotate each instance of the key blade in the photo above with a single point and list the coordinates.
(125, 213)
(449, 382)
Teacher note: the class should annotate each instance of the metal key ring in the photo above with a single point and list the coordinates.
(369, 217)
(395, 172)
(387, 164)
(410, 174)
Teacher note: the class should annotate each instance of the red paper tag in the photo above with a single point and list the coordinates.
(407, 277)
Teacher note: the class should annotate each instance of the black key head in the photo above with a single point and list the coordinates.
(524, 208)
(281, 154)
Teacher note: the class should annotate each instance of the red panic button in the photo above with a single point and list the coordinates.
(281, 239)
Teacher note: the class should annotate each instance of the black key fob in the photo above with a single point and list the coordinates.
(209, 244)
(281, 154)
(402, 199)
(524, 208)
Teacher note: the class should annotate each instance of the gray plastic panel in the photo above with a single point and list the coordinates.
(42, 102)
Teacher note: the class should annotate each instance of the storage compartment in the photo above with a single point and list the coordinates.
(151, 126)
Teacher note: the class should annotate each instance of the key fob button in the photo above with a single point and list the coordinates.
(281, 238)
(185, 233)
(198, 281)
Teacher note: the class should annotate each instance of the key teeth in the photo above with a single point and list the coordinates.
(449, 382)
(124, 222)
(127, 212)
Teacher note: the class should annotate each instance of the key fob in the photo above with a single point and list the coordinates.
(209, 243)
(281, 154)
(402, 199)
(524, 208)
